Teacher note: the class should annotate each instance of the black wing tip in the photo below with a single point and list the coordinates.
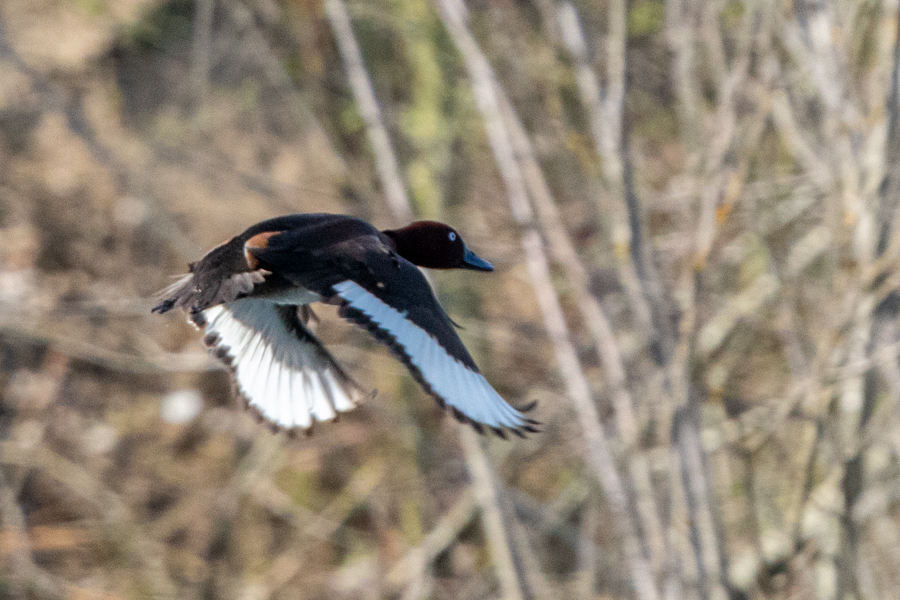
(295, 433)
(499, 433)
(164, 306)
(528, 425)
(520, 431)
(527, 409)
(461, 417)
(170, 303)
(197, 317)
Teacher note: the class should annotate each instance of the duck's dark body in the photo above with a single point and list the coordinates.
(247, 292)
(225, 273)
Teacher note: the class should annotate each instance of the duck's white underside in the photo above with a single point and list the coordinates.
(291, 385)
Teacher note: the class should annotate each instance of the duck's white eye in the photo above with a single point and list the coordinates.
(452, 236)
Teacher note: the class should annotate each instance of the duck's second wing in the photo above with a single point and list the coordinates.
(391, 298)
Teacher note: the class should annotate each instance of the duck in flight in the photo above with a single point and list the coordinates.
(251, 296)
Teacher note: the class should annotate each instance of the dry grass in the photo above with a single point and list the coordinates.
(692, 208)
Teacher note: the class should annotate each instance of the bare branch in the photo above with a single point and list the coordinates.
(201, 49)
(24, 574)
(78, 481)
(186, 362)
(599, 326)
(416, 561)
(382, 151)
(488, 499)
(486, 492)
(599, 456)
(605, 108)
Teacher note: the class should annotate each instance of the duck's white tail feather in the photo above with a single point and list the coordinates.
(278, 365)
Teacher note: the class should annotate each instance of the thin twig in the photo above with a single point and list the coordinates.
(184, 362)
(363, 91)
(586, 574)
(598, 325)
(605, 107)
(78, 481)
(718, 183)
(486, 492)
(441, 536)
(488, 499)
(24, 574)
(201, 48)
(323, 525)
(537, 583)
(699, 503)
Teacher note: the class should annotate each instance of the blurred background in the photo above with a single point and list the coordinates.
(692, 207)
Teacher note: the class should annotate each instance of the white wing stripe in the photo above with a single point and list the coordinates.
(322, 408)
(278, 374)
(458, 386)
(302, 414)
(342, 402)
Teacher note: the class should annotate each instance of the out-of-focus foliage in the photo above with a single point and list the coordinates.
(724, 178)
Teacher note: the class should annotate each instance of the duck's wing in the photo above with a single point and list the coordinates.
(278, 365)
(390, 297)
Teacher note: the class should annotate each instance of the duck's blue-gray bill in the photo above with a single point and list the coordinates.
(475, 262)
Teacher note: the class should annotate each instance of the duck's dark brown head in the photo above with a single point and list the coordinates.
(434, 245)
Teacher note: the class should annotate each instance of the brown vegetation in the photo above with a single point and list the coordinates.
(692, 208)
